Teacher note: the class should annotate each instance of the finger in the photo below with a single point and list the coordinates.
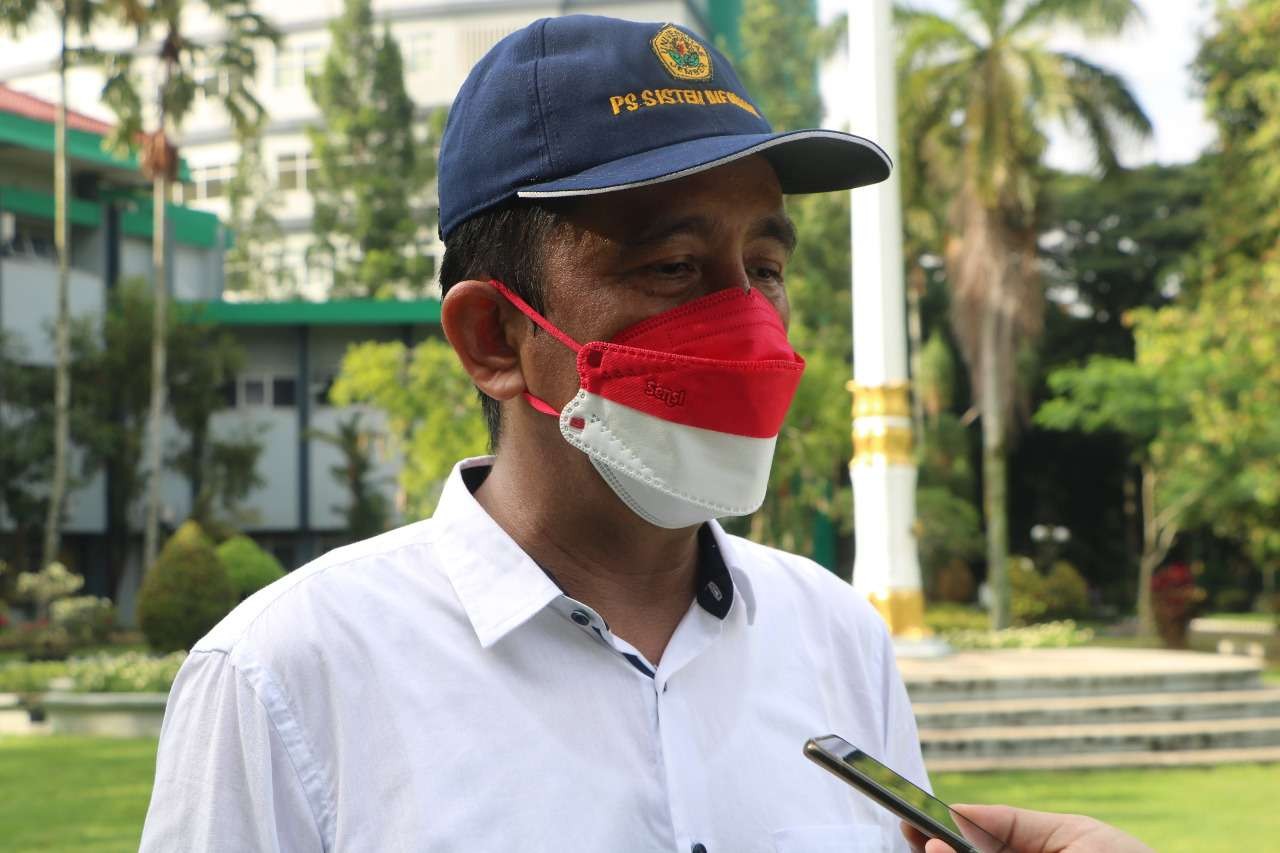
(914, 837)
(937, 845)
(1019, 828)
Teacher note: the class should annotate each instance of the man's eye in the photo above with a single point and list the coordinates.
(675, 268)
(768, 274)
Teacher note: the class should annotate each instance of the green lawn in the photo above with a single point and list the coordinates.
(1183, 810)
(77, 794)
(74, 793)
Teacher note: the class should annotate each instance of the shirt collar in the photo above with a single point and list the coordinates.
(501, 587)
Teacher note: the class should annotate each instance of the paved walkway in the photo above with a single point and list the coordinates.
(1068, 663)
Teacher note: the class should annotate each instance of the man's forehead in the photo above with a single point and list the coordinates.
(740, 195)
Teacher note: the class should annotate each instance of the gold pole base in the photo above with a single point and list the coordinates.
(903, 611)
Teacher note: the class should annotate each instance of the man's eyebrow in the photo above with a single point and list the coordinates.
(777, 226)
(665, 229)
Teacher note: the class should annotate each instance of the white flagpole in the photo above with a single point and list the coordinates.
(886, 568)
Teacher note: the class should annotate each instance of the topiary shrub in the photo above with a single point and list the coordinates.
(1066, 593)
(186, 592)
(1026, 591)
(1061, 594)
(249, 566)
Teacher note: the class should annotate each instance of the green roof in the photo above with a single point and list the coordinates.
(190, 227)
(82, 145)
(339, 312)
(35, 203)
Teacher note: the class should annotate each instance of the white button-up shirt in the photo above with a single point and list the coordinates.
(433, 689)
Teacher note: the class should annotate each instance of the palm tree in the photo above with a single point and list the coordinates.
(233, 65)
(15, 15)
(988, 77)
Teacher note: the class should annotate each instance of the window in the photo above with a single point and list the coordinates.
(477, 41)
(294, 62)
(287, 175)
(211, 181)
(320, 387)
(295, 170)
(255, 392)
(31, 237)
(418, 50)
(228, 393)
(283, 392)
(279, 391)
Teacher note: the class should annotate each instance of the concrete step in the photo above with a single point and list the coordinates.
(1093, 710)
(1078, 672)
(1107, 760)
(1183, 735)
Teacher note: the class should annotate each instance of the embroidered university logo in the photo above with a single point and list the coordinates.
(683, 57)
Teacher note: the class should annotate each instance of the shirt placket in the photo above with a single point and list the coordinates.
(672, 713)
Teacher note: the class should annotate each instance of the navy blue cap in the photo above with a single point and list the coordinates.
(582, 104)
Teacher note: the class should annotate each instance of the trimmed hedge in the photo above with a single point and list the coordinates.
(186, 592)
(249, 566)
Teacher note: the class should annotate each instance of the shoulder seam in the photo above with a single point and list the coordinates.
(319, 571)
(312, 782)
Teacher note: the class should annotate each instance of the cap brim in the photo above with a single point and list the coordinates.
(806, 161)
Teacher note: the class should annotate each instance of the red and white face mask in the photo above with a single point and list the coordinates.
(680, 412)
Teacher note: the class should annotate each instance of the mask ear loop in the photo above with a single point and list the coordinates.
(526, 309)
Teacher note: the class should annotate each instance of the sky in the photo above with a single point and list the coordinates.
(1153, 56)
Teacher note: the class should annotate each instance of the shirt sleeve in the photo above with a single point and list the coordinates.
(226, 779)
(901, 740)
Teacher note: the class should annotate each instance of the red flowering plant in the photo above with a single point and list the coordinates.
(1175, 599)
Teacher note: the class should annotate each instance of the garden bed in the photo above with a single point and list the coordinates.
(14, 717)
(1256, 637)
(105, 714)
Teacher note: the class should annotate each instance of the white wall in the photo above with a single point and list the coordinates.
(329, 497)
(28, 302)
(274, 504)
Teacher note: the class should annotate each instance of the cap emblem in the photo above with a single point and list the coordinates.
(683, 57)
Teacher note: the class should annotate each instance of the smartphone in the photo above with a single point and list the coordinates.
(910, 803)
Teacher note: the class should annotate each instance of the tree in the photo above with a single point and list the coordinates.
(114, 407)
(221, 470)
(808, 484)
(1140, 403)
(1236, 285)
(1108, 245)
(989, 72)
(159, 27)
(16, 15)
(1112, 244)
(428, 402)
(26, 445)
(371, 167)
(252, 263)
(369, 512)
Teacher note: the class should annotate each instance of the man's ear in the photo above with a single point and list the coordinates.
(482, 327)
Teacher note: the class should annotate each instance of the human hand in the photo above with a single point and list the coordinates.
(1033, 832)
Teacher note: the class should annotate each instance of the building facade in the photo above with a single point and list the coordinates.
(292, 349)
(440, 41)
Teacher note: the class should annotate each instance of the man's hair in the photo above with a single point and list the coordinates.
(507, 243)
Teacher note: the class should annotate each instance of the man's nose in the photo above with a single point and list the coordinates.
(726, 273)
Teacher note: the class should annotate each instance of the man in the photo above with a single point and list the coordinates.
(572, 654)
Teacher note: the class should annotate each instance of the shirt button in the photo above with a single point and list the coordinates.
(581, 617)
(698, 847)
